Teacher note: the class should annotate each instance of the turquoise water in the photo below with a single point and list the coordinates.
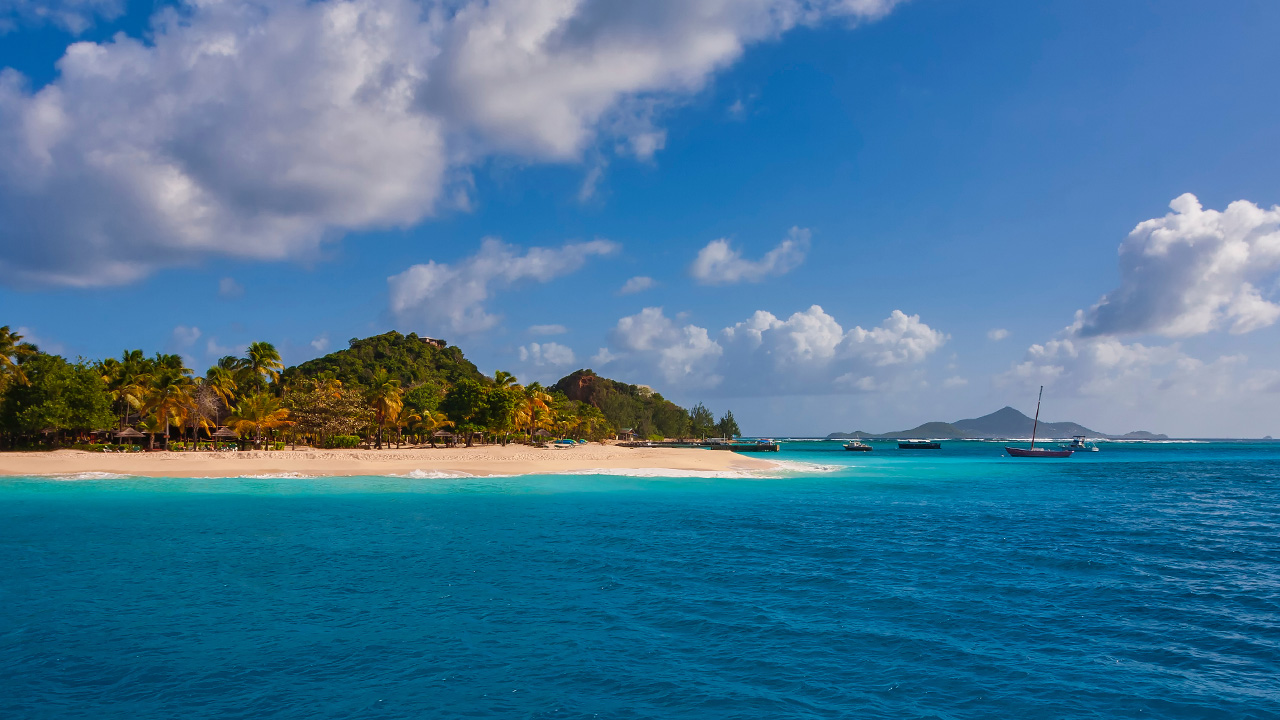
(1140, 581)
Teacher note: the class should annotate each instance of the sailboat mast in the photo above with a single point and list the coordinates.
(1036, 424)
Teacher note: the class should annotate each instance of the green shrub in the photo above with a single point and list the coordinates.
(342, 441)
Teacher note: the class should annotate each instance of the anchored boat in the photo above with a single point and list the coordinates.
(1035, 452)
(1079, 444)
(857, 446)
(919, 445)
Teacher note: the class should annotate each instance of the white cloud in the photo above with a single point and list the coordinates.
(546, 354)
(185, 337)
(955, 381)
(74, 16)
(261, 130)
(436, 296)
(46, 345)
(639, 283)
(548, 330)
(1194, 271)
(229, 288)
(720, 264)
(997, 334)
(320, 343)
(213, 348)
(591, 182)
(809, 352)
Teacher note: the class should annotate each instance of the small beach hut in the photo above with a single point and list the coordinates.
(128, 434)
(225, 433)
(449, 438)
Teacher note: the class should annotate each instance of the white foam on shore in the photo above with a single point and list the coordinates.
(432, 475)
(275, 476)
(90, 476)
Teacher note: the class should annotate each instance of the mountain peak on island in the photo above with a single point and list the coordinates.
(1007, 422)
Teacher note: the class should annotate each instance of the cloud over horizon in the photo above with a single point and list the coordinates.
(260, 131)
(1194, 271)
(807, 353)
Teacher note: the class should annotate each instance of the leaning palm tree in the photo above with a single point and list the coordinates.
(221, 381)
(256, 413)
(504, 379)
(385, 397)
(264, 363)
(12, 350)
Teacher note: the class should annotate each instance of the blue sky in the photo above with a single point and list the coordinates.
(948, 182)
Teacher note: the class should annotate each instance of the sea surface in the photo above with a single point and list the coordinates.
(1139, 581)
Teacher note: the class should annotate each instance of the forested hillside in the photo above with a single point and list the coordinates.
(640, 408)
(408, 358)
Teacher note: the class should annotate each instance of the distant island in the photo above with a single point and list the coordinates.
(1003, 423)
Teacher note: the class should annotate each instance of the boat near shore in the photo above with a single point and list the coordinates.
(857, 446)
(1033, 451)
(919, 445)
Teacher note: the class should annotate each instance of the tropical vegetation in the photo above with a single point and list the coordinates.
(380, 391)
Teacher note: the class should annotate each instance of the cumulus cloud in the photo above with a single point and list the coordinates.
(74, 16)
(1194, 271)
(229, 288)
(261, 130)
(809, 352)
(321, 342)
(548, 330)
(1107, 367)
(185, 337)
(546, 354)
(438, 296)
(719, 264)
(997, 334)
(639, 283)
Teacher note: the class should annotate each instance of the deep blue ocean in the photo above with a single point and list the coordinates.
(1140, 581)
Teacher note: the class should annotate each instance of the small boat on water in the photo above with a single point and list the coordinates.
(1079, 444)
(1035, 452)
(857, 446)
(919, 445)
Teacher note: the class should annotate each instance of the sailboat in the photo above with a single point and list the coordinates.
(1034, 451)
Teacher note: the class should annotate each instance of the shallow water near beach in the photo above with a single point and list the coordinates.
(1143, 580)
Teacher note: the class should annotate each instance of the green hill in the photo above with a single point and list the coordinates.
(414, 360)
(626, 406)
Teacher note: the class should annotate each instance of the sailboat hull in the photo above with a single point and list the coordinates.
(1037, 452)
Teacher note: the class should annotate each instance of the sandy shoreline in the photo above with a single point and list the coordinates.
(481, 461)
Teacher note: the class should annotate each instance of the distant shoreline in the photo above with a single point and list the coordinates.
(480, 461)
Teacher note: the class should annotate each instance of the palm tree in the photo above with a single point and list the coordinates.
(264, 363)
(385, 396)
(433, 420)
(12, 350)
(127, 380)
(222, 382)
(259, 412)
(537, 408)
(504, 379)
(168, 393)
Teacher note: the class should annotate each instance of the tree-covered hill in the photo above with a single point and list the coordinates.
(411, 359)
(640, 408)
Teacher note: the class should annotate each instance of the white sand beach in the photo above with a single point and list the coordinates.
(480, 460)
